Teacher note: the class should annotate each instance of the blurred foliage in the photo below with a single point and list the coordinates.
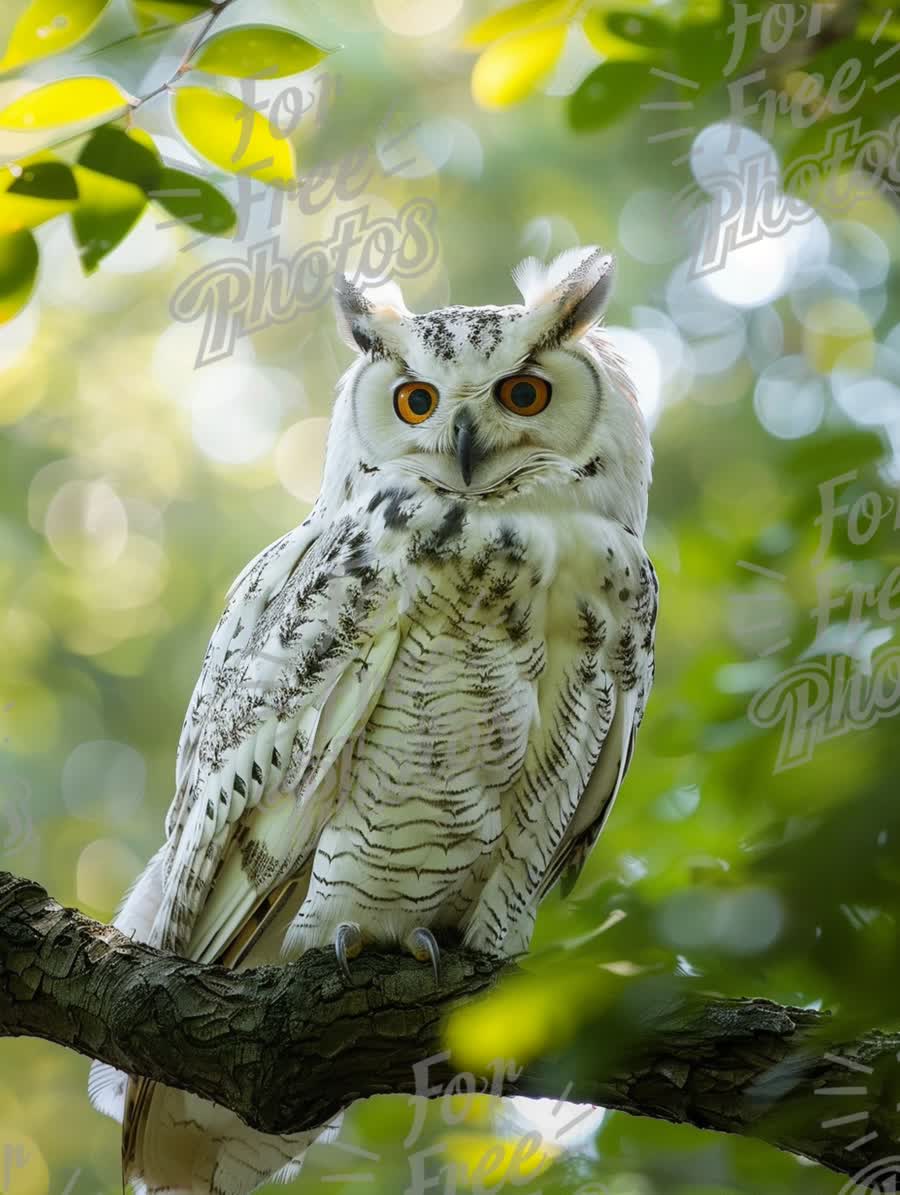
(135, 485)
(119, 170)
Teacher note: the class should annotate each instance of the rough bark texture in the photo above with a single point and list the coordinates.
(286, 1047)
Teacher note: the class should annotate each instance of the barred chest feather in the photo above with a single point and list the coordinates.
(494, 710)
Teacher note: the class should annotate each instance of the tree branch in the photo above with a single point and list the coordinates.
(287, 1047)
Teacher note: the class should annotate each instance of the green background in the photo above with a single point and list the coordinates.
(135, 486)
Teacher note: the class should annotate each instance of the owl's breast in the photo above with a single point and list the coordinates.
(491, 613)
(421, 815)
(451, 728)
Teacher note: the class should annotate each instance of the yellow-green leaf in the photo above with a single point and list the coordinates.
(157, 14)
(69, 101)
(107, 210)
(258, 52)
(18, 270)
(38, 191)
(48, 27)
(129, 156)
(194, 202)
(232, 136)
(512, 68)
(514, 19)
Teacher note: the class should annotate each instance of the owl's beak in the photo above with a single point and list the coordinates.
(468, 452)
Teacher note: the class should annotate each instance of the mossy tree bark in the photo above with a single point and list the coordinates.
(287, 1047)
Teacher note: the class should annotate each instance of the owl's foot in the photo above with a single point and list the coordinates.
(422, 945)
(348, 942)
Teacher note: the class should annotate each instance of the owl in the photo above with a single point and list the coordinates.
(418, 706)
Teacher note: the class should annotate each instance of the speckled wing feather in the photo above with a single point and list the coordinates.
(591, 694)
(281, 691)
(250, 593)
(290, 676)
(632, 679)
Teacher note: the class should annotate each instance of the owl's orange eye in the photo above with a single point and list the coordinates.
(524, 394)
(415, 401)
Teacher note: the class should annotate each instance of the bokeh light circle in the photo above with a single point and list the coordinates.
(789, 399)
(104, 779)
(300, 457)
(235, 413)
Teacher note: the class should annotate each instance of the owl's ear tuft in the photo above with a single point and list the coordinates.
(568, 296)
(369, 321)
(351, 309)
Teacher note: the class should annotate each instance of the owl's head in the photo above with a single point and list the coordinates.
(495, 404)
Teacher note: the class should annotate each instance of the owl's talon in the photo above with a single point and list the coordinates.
(422, 945)
(348, 943)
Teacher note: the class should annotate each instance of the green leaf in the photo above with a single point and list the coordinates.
(702, 51)
(609, 92)
(642, 30)
(193, 201)
(871, 23)
(511, 69)
(45, 179)
(258, 52)
(48, 27)
(18, 270)
(232, 136)
(129, 156)
(619, 36)
(826, 162)
(851, 71)
(515, 19)
(157, 14)
(701, 11)
(69, 101)
(38, 192)
(107, 210)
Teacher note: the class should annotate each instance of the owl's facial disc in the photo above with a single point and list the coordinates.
(460, 397)
(477, 430)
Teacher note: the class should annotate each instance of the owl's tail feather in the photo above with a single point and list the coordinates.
(182, 1143)
(107, 1087)
(106, 1090)
(173, 1141)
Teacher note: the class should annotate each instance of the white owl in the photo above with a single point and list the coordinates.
(418, 706)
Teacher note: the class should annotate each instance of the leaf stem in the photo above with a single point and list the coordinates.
(135, 102)
(185, 65)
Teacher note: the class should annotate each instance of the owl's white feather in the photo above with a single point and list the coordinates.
(417, 707)
(536, 280)
(388, 294)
